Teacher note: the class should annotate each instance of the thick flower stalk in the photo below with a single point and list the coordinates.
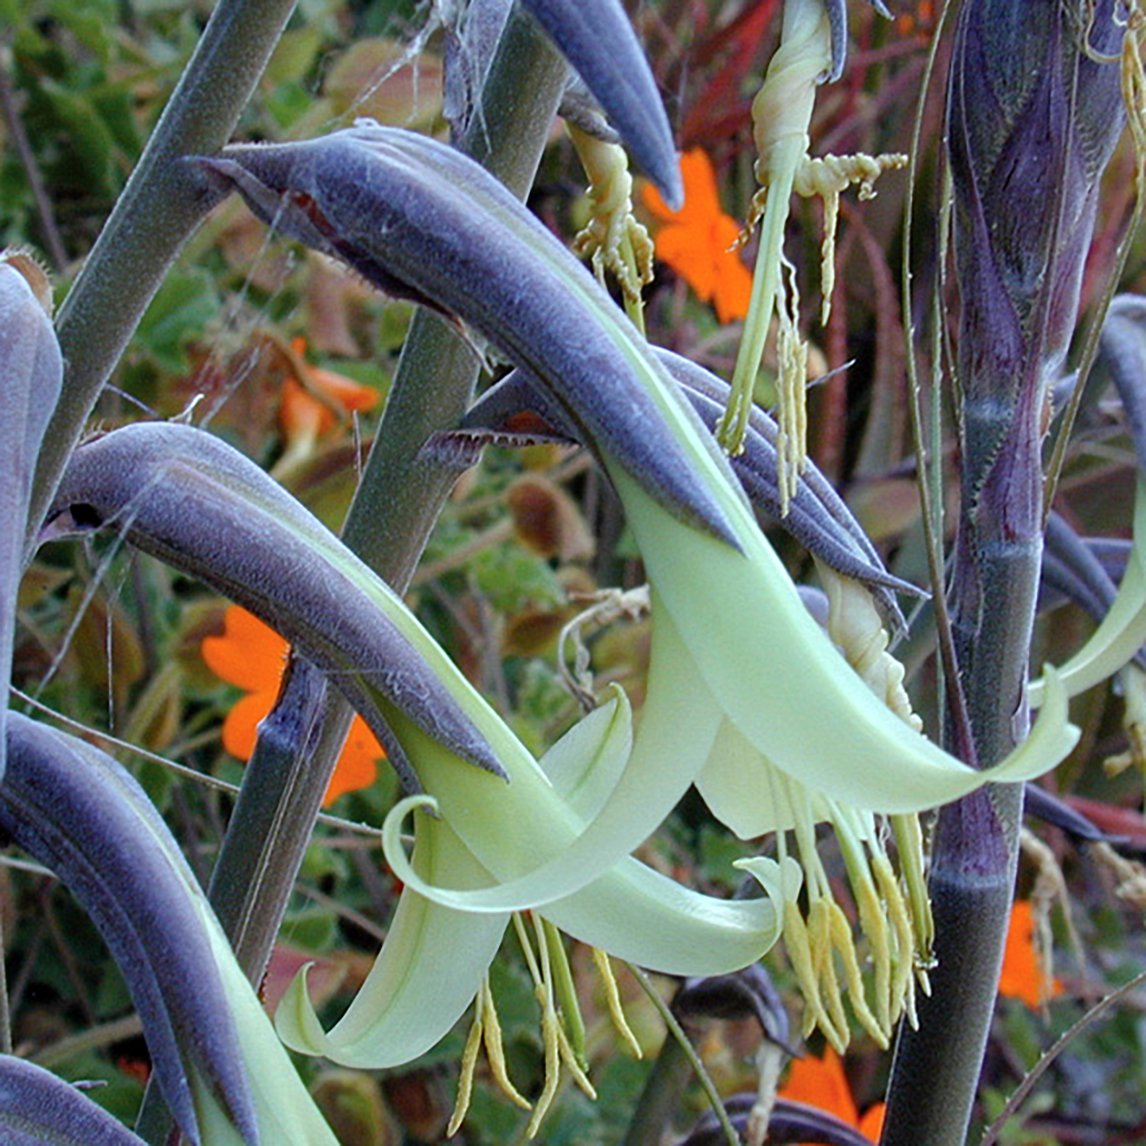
(1034, 111)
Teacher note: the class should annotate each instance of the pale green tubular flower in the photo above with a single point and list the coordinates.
(745, 693)
(556, 838)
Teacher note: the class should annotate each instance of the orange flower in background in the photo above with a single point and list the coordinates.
(821, 1082)
(305, 414)
(1025, 974)
(699, 240)
(252, 656)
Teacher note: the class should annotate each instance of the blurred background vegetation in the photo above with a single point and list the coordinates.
(290, 359)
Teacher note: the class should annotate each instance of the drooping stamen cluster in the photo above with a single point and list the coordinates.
(562, 1026)
(894, 913)
(613, 239)
(781, 116)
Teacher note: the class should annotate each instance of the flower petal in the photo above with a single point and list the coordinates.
(1122, 632)
(248, 654)
(812, 717)
(554, 852)
(428, 972)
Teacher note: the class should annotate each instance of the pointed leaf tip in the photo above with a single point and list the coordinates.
(399, 208)
(193, 501)
(596, 37)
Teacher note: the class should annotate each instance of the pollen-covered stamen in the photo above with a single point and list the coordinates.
(484, 1031)
(554, 1038)
(912, 864)
(791, 388)
(613, 1001)
(903, 958)
(824, 937)
(797, 942)
(561, 976)
(873, 921)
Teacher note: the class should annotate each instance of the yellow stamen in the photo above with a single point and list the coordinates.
(562, 977)
(820, 938)
(872, 919)
(613, 1001)
(486, 1028)
(466, 1074)
(844, 946)
(798, 945)
(543, 992)
(781, 118)
(903, 964)
(909, 847)
(495, 1048)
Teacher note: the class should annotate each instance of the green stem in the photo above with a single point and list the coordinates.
(161, 206)
(661, 1096)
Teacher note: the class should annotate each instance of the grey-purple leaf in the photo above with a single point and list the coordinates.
(595, 36)
(31, 373)
(39, 1109)
(403, 209)
(1122, 351)
(1037, 801)
(1071, 568)
(193, 501)
(838, 20)
(78, 812)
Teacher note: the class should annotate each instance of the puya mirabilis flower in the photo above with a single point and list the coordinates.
(719, 594)
(700, 242)
(768, 756)
(252, 656)
(810, 51)
(555, 837)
